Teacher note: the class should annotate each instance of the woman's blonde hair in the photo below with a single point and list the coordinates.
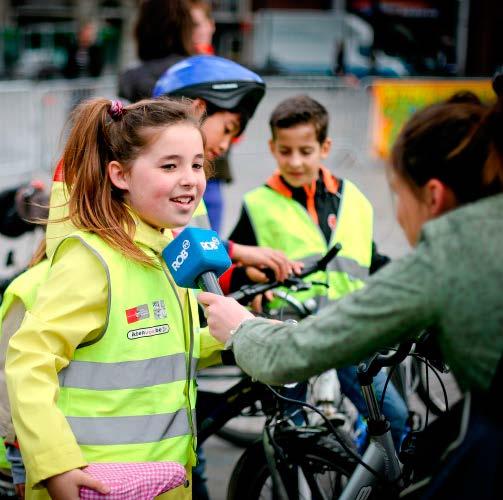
(104, 131)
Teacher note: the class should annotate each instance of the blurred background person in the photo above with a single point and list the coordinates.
(85, 57)
(163, 34)
(203, 26)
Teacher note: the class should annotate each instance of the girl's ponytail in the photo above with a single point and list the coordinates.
(105, 131)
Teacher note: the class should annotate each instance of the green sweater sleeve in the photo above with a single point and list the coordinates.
(396, 303)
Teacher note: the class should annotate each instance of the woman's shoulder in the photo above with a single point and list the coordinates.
(469, 220)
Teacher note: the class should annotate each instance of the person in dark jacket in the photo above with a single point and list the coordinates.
(163, 35)
(85, 56)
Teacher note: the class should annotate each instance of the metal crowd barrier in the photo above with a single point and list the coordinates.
(33, 117)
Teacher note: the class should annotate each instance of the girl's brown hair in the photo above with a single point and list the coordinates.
(95, 140)
(459, 142)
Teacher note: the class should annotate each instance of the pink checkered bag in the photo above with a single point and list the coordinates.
(134, 480)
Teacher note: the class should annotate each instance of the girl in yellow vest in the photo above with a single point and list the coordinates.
(17, 299)
(102, 368)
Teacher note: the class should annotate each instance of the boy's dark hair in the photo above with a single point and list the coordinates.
(299, 110)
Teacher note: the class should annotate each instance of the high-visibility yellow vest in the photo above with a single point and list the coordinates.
(129, 395)
(284, 224)
(25, 288)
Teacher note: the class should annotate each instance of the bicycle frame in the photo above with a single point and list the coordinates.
(380, 454)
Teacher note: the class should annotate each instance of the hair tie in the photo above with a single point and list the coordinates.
(116, 110)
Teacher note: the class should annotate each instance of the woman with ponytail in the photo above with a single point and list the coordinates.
(103, 366)
(446, 173)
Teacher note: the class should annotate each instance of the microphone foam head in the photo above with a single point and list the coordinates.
(193, 252)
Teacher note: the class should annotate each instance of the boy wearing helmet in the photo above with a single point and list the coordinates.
(229, 93)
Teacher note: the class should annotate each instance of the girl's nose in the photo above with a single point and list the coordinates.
(188, 178)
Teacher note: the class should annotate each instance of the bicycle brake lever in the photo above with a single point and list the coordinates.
(319, 283)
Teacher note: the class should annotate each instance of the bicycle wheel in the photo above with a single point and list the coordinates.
(319, 468)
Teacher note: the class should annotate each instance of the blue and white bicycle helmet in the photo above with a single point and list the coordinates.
(221, 83)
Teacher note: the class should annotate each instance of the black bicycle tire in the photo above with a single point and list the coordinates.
(251, 471)
(239, 438)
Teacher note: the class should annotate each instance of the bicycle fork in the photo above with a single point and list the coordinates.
(380, 455)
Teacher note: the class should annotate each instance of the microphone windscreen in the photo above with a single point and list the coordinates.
(193, 252)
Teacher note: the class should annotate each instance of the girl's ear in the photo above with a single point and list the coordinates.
(118, 175)
(439, 198)
(326, 146)
(199, 106)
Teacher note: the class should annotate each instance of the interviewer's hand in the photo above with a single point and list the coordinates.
(66, 486)
(262, 257)
(223, 314)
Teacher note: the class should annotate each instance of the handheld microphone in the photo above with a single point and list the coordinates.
(195, 258)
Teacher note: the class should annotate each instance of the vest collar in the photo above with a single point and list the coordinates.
(278, 184)
(149, 236)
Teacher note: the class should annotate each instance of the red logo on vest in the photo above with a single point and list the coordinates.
(137, 313)
(332, 221)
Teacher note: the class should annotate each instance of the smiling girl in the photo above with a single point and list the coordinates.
(106, 357)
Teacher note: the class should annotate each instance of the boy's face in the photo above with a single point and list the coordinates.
(298, 153)
(219, 129)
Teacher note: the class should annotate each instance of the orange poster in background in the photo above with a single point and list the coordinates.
(394, 101)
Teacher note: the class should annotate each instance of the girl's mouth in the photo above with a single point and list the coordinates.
(183, 200)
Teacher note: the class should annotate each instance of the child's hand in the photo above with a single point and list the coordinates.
(262, 257)
(66, 486)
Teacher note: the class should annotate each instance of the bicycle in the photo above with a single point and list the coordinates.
(283, 467)
(214, 410)
(232, 431)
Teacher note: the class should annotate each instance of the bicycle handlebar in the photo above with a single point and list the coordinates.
(248, 292)
(367, 371)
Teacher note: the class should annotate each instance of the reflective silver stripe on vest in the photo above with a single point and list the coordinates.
(350, 267)
(129, 430)
(200, 221)
(126, 374)
(341, 265)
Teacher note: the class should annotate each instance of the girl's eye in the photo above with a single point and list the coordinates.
(168, 166)
(197, 166)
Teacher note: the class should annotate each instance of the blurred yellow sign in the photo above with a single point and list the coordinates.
(394, 101)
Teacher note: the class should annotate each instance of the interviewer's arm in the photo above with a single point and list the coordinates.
(397, 301)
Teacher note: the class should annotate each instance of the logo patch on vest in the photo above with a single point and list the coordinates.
(159, 309)
(137, 313)
(147, 332)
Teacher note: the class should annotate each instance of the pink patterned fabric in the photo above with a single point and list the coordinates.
(134, 481)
